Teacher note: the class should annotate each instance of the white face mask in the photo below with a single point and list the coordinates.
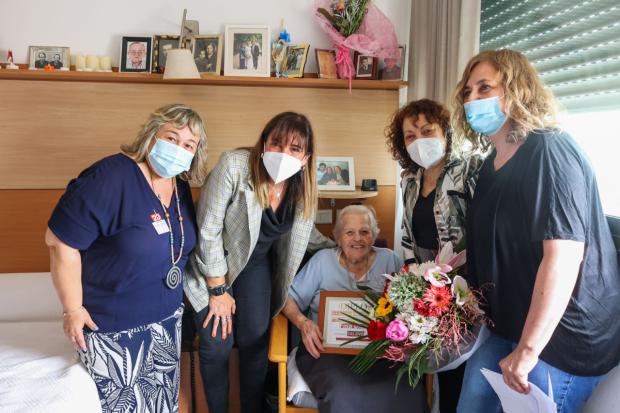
(280, 166)
(426, 152)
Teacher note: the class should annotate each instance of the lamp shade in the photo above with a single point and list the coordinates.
(180, 65)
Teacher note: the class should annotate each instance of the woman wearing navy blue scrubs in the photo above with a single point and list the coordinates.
(119, 239)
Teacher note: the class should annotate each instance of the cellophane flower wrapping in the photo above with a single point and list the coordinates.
(427, 319)
(375, 37)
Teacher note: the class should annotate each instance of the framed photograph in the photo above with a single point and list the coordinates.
(207, 52)
(136, 54)
(392, 69)
(247, 51)
(56, 56)
(365, 66)
(161, 44)
(335, 173)
(333, 306)
(295, 60)
(326, 63)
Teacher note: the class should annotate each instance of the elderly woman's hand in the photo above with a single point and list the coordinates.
(312, 338)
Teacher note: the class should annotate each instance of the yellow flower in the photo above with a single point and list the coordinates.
(384, 307)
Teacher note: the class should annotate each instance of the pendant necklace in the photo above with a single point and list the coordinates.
(173, 278)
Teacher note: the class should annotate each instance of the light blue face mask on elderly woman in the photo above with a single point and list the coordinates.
(484, 115)
(169, 160)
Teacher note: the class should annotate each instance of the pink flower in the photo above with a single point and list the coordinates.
(397, 331)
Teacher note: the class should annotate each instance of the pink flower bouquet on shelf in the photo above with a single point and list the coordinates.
(356, 25)
(427, 318)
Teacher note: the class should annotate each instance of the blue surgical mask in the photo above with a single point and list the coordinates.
(484, 115)
(169, 160)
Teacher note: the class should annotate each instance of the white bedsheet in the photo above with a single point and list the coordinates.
(40, 371)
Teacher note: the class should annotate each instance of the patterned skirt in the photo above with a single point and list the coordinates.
(137, 370)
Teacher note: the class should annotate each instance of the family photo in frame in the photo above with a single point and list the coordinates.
(295, 60)
(207, 51)
(335, 173)
(55, 56)
(365, 66)
(247, 51)
(136, 54)
(161, 44)
(392, 69)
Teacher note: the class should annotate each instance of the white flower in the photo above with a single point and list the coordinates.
(420, 323)
(460, 290)
(418, 337)
(436, 275)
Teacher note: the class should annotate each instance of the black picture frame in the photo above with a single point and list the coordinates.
(126, 43)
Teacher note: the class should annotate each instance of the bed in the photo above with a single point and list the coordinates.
(39, 369)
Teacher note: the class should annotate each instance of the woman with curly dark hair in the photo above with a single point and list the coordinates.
(437, 181)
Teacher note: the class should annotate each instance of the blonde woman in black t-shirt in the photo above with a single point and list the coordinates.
(538, 238)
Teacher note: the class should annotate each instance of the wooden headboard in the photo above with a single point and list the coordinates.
(54, 125)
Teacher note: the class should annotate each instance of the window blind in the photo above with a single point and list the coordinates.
(574, 45)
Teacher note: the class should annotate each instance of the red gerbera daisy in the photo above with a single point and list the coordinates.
(438, 298)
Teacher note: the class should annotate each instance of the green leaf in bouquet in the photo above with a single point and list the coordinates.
(358, 309)
(416, 365)
(350, 319)
(354, 339)
(328, 16)
(368, 356)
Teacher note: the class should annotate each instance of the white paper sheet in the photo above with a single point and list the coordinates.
(514, 402)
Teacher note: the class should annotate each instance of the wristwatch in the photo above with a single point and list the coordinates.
(219, 290)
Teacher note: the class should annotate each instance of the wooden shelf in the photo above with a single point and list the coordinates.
(357, 194)
(117, 77)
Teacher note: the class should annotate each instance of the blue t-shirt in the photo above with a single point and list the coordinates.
(324, 273)
(106, 213)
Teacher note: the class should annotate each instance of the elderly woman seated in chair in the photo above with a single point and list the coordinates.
(354, 262)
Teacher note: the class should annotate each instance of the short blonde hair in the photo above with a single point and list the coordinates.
(529, 104)
(179, 116)
(357, 210)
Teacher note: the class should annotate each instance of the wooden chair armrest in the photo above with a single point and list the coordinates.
(278, 353)
(278, 339)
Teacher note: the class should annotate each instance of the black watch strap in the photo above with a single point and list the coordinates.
(219, 290)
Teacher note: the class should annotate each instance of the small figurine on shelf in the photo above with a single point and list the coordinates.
(278, 52)
(278, 49)
(48, 67)
(9, 59)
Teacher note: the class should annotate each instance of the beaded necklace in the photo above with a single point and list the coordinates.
(173, 278)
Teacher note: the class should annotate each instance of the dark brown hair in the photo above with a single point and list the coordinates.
(395, 139)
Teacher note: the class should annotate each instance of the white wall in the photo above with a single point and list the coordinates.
(90, 27)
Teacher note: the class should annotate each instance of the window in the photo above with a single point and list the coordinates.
(575, 46)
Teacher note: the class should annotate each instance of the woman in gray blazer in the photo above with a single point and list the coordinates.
(255, 219)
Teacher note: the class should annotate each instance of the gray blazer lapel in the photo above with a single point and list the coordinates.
(254, 211)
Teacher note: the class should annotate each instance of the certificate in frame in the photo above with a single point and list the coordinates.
(336, 332)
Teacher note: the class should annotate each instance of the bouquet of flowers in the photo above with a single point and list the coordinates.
(356, 25)
(425, 312)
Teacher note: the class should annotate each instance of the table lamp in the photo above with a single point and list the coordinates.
(180, 63)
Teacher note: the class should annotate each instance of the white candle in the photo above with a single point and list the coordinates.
(80, 62)
(92, 62)
(105, 63)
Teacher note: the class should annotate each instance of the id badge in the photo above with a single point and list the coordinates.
(161, 226)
